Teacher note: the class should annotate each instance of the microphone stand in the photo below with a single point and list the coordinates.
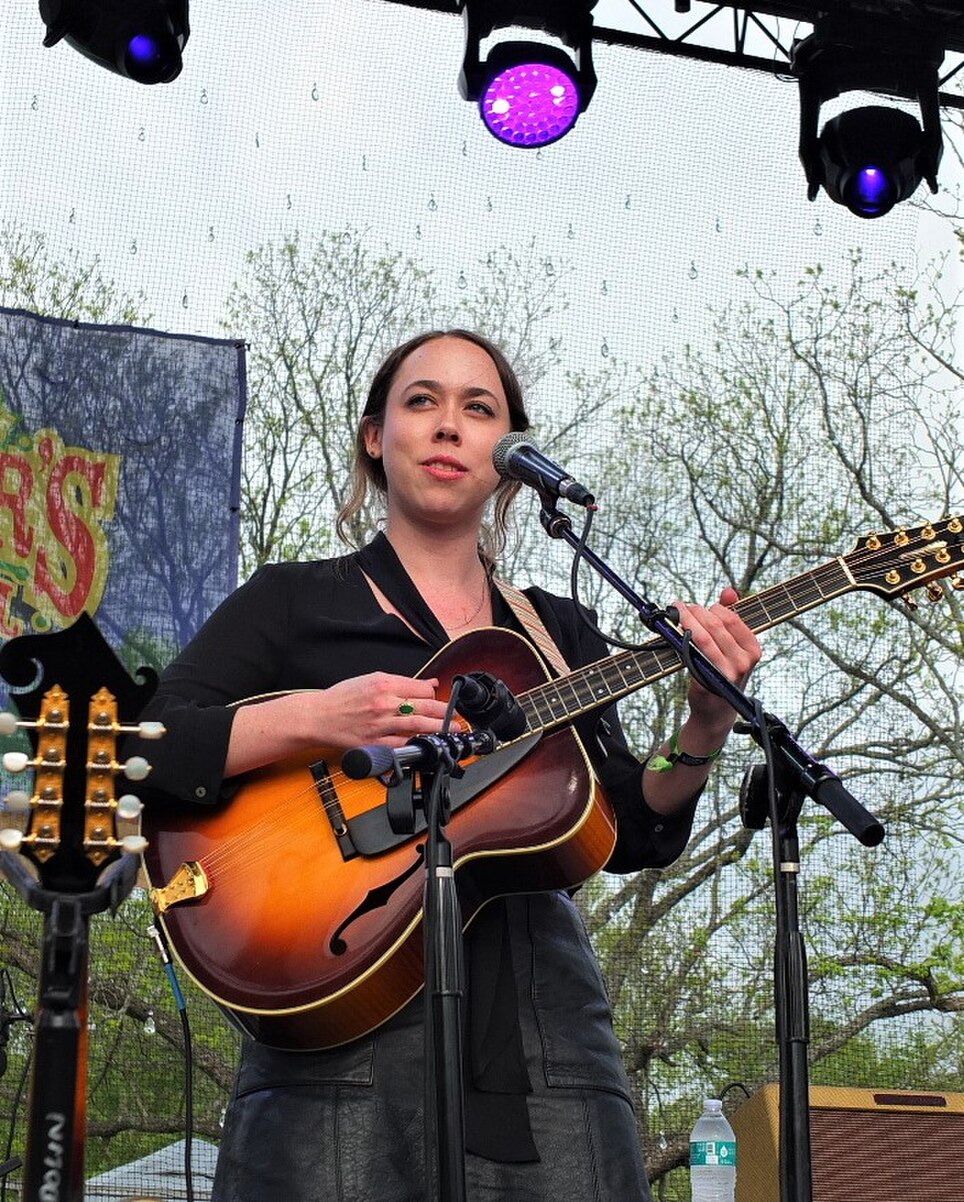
(55, 1119)
(791, 774)
(444, 989)
(444, 964)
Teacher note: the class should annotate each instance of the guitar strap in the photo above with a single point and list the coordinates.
(533, 625)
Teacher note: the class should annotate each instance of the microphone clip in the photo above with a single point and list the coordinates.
(487, 702)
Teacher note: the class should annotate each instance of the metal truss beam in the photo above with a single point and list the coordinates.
(759, 36)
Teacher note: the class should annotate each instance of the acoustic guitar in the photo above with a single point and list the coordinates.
(298, 909)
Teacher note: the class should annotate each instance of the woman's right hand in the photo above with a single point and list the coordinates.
(366, 709)
(352, 713)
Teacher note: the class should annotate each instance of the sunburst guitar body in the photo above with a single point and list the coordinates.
(297, 907)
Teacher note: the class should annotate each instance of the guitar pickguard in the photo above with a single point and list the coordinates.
(371, 833)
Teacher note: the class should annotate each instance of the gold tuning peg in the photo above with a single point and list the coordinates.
(957, 581)
(935, 591)
(910, 602)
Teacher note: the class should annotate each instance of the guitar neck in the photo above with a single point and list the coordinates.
(559, 701)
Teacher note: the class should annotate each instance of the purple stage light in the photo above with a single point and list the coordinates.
(531, 104)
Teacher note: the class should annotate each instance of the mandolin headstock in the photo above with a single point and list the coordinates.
(74, 820)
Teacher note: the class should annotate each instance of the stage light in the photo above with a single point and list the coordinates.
(141, 39)
(870, 159)
(873, 157)
(529, 93)
(533, 99)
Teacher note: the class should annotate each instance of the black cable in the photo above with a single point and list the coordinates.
(584, 615)
(734, 1085)
(163, 951)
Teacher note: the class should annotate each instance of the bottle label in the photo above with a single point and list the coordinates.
(712, 1152)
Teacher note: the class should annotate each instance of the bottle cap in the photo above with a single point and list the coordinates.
(713, 1105)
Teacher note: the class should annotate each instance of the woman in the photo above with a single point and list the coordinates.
(548, 1113)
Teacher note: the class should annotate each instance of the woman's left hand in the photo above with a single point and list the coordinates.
(725, 639)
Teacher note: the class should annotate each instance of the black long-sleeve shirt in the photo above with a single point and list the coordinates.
(311, 625)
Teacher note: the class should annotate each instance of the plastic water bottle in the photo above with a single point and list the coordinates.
(712, 1156)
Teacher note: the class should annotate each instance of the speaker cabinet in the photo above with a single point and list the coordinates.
(866, 1145)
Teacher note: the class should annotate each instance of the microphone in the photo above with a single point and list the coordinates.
(487, 702)
(516, 457)
(424, 751)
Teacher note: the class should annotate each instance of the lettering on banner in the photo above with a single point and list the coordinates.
(54, 503)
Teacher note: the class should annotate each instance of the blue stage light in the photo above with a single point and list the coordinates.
(141, 39)
(871, 159)
(872, 192)
(152, 57)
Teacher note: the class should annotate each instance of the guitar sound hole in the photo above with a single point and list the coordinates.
(375, 900)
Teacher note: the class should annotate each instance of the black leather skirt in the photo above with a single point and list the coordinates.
(347, 1125)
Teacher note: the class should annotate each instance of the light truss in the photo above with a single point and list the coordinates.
(757, 36)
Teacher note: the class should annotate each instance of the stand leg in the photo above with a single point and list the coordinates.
(54, 1162)
(446, 1003)
(793, 1028)
(444, 976)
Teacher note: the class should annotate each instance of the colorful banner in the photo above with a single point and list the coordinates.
(119, 480)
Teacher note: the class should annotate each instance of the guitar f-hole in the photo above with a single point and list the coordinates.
(375, 900)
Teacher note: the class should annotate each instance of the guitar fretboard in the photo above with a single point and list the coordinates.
(559, 701)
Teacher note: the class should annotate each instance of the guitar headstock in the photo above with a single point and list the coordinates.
(72, 824)
(896, 563)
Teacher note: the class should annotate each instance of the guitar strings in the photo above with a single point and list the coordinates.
(234, 851)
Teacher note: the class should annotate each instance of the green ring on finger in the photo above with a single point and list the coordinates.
(405, 708)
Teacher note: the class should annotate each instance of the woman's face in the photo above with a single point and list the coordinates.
(445, 411)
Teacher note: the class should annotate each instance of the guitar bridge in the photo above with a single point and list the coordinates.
(187, 884)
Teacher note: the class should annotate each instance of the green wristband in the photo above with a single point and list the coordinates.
(665, 763)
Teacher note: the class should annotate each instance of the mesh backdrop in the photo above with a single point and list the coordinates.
(681, 182)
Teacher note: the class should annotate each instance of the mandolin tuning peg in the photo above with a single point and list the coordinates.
(17, 801)
(10, 723)
(957, 581)
(136, 768)
(146, 730)
(935, 592)
(910, 602)
(15, 761)
(133, 845)
(10, 839)
(129, 807)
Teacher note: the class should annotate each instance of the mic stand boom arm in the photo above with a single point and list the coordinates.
(795, 774)
(814, 779)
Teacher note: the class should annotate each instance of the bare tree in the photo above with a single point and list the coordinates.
(31, 278)
(812, 419)
(318, 320)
